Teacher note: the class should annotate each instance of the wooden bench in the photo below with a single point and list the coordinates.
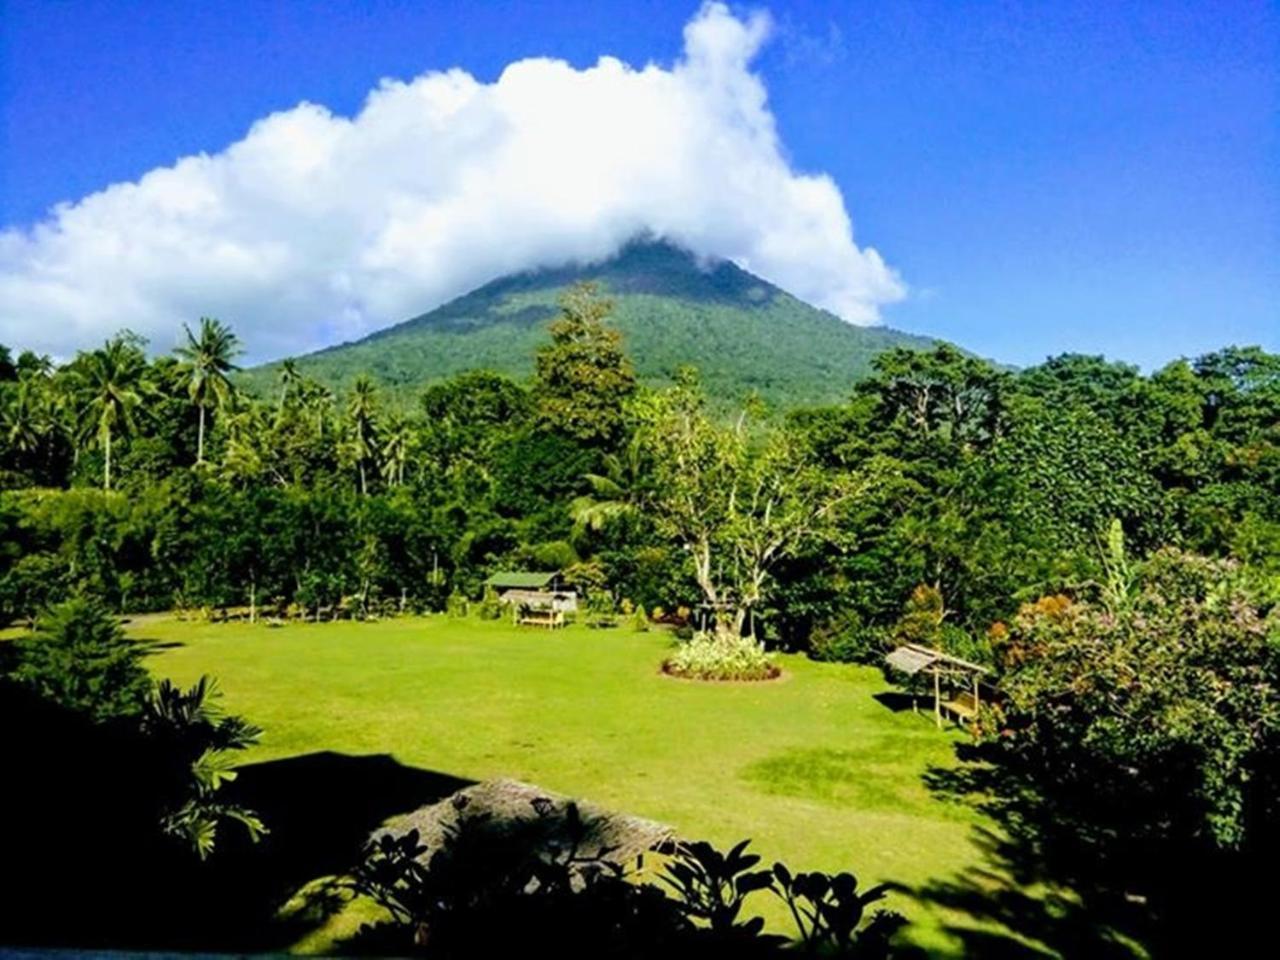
(962, 706)
(542, 618)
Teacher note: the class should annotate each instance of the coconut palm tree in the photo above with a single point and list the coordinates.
(397, 439)
(615, 495)
(29, 417)
(108, 385)
(206, 362)
(362, 414)
(290, 380)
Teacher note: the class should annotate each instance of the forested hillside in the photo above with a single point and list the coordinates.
(742, 333)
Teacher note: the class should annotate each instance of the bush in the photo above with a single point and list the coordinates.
(80, 659)
(458, 605)
(490, 607)
(846, 639)
(712, 657)
(639, 621)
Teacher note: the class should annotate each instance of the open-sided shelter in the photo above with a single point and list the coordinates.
(960, 678)
(535, 599)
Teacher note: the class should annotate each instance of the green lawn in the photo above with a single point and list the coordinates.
(811, 767)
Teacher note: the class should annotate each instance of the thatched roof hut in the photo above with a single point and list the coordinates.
(527, 814)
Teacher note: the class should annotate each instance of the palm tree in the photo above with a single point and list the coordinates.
(248, 453)
(197, 738)
(108, 386)
(615, 494)
(29, 418)
(396, 442)
(290, 380)
(362, 410)
(206, 361)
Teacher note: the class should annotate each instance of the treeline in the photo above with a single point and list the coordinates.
(155, 483)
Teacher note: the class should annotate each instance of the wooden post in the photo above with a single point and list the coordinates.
(937, 698)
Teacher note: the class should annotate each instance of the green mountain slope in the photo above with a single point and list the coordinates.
(742, 333)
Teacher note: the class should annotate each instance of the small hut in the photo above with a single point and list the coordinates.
(956, 683)
(519, 814)
(535, 599)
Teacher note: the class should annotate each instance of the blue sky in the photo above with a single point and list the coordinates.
(1101, 178)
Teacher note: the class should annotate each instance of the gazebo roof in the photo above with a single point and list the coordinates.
(515, 580)
(911, 658)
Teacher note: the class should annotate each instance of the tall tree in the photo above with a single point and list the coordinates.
(108, 386)
(397, 447)
(584, 377)
(290, 380)
(362, 420)
(207, 360)
(738, 505)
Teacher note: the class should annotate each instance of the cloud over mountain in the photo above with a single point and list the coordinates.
(316, 228)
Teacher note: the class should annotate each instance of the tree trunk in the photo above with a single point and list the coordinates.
(364, 489)
(200, 440)
(106, 475)
(253, 601)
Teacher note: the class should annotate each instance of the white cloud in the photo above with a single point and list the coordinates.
(317, 228)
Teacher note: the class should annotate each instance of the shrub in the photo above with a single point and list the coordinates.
(639, 621)
(1158, 718)
(713, 657)
(490, 607)
(193, 739)
(600, 610)
(80, 659)
(457, 605)
(846, 639)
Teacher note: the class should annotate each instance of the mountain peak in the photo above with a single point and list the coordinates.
(672, 307)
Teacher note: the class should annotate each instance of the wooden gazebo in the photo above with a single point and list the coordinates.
(963, 679)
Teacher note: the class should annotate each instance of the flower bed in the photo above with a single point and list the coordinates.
(711, 657)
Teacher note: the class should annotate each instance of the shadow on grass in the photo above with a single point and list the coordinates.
(86, 866)
(1053, 885)
(895, 700)
(156, 646)
(321, 808)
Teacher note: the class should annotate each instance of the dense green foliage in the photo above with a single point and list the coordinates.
(1161, 697)
(743, 333)
(987, 486)
(80, 659)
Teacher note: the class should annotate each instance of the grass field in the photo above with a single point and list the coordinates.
(812, 767)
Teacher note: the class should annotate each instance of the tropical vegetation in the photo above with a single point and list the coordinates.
(1104, 543)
